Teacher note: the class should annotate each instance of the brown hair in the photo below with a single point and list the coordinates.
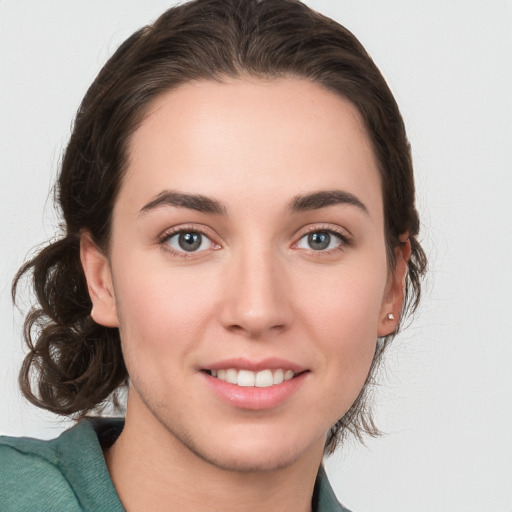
(75, 365)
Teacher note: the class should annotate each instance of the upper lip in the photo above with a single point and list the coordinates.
(256, 366)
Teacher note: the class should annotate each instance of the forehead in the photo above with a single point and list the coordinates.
(252, 136)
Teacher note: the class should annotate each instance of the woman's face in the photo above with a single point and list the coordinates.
(247, 269)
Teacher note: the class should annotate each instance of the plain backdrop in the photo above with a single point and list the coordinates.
(445, 398)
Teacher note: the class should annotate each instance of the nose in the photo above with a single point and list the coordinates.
(256, 298)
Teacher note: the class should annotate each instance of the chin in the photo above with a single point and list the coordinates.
(249, 461)
(255, 453)
(263, 445)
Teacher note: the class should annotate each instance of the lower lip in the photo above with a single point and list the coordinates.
(253, 398)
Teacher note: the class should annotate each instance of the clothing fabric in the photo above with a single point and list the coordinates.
(69, 473)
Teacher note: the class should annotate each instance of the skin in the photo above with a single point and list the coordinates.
(255, 290)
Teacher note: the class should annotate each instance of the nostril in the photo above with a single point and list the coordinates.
(254, 329)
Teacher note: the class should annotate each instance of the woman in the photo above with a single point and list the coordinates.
(240, 247)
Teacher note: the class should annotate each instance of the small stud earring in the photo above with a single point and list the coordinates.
(391, 316)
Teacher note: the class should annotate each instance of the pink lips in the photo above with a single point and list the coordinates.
(255, 398)
(244, 364)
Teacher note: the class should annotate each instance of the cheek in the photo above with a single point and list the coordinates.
(350, 298)
(161, 312)
(339, 316)
(341, 312)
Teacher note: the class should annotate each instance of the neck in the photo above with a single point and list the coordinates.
(152, 470)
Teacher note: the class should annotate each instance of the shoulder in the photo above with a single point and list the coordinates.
(31, 477)
(67, 473)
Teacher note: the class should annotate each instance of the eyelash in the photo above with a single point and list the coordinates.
(344, 240)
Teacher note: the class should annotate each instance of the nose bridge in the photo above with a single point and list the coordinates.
(255, 301)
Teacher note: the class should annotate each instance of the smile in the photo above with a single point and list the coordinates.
(255, 385)
(248, 378)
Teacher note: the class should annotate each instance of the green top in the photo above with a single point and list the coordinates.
(69, 473)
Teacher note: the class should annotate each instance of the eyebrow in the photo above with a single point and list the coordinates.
(324, 198)
(196, 202)
(300, 203)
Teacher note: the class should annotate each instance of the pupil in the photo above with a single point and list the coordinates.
(319, 240)
(189, 241)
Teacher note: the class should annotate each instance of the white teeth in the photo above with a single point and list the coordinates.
(278, 376)
(247, 378)
(231, 376)
(264, 379)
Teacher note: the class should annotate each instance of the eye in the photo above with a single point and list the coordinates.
(320, 241)
(188, 241)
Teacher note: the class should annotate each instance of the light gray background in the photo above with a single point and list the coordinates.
(446, 396)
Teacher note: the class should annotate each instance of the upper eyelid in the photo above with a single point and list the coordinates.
(337, 230)
(198, 228)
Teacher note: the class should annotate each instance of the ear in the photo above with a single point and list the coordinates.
(99, 282)
(394, 296)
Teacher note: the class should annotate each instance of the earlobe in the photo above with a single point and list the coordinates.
(394, 297)
(99, 282)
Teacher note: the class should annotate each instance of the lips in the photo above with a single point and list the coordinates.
(254, 385)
